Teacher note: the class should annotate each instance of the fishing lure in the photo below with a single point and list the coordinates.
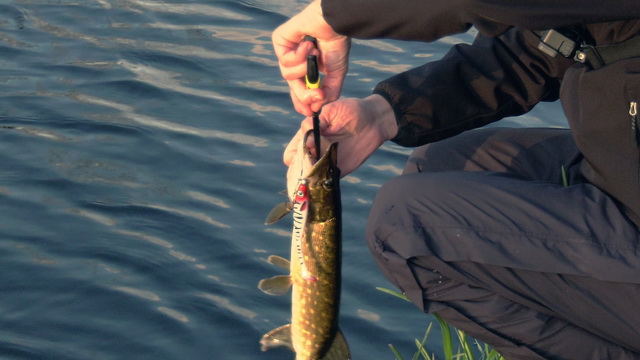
(300, 211)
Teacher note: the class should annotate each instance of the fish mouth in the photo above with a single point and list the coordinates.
(329, 159)
(327, 163)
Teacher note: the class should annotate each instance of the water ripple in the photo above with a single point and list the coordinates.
(181, 256)
(14, 15)
(191, 214)
(128, 111)
(245, 35)
(389, 68)
(392, 168)
(99, 218)
(228, 305)
(168, 80)
(144, 294)
(191, 9)
(152, 239)
(173, 314)
(193, 50)
(208, 199)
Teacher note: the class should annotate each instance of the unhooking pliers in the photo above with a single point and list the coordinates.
(313, 82)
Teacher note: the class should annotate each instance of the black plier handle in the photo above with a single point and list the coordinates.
(313, 82)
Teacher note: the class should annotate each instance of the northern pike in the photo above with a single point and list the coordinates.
(315, 266)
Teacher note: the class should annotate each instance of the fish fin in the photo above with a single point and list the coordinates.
(279, 261)
(277, 285)
(281, 210)
(339, 349)
(277, 337)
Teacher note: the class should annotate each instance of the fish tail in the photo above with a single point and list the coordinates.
(339, 349)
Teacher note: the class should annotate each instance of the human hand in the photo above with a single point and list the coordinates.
(292, 51)
(359, 125)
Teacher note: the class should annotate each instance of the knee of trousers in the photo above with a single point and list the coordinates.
(452, 154)
(395, 239)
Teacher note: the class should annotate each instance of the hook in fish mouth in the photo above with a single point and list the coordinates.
(327, 163)
(325, 146)
(308, 134)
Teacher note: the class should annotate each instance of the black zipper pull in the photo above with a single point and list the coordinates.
(633, 111)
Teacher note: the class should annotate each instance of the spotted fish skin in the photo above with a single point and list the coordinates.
(315, 272)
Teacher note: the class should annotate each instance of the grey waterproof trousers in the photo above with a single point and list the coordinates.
(496, 231)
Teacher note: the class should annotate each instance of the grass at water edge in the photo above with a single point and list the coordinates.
(465, 344)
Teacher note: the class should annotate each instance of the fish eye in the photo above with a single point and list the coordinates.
(300, 193)
(327, 184)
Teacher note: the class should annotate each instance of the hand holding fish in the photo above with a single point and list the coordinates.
(360, 126)
(292, 51)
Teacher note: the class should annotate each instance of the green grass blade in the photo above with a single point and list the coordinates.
(420, 344)
(466, 353)
(565, 181)
(394, 293)
(421, 352)
(481, 350)
(395, 352)
(447, 342)
(493, 354)
(462, 337)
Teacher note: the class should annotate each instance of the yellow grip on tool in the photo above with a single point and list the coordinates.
(313, 74)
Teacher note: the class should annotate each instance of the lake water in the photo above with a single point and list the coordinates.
(140, 151)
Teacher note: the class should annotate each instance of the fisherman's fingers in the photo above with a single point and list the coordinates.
(331, 87)
(292, 59)
(287, 39)
(342, 118)
(354, 124)
(308, 101)
(305, 101)
(290, 47)
(292, 51)
(334, 63)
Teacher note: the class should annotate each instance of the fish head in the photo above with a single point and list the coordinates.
(323, 181)
(301, 166)
(302, 163)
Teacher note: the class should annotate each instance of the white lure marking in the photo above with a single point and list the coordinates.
(300, 211)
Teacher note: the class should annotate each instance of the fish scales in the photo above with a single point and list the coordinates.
(315, 266)
(315, 304)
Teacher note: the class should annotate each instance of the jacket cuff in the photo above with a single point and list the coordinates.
(405, 136)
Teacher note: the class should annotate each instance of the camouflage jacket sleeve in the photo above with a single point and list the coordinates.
(501, 74)
(471, 86)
